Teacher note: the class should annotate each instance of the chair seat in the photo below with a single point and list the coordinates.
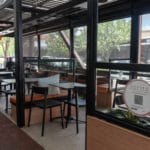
(49, 104)
(81, 102)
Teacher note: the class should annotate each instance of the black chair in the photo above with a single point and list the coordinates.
(7, 92)
(43, 104)
(76, 102)
(3, 86)
(118, 92)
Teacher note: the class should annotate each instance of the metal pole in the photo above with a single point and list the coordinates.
(39, 49)
(19, 64)
(91, 54)
(72, 42)
(135, 35)
(72, 50)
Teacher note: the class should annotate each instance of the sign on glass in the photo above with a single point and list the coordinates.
(137, 97)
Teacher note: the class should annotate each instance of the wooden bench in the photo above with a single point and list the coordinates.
(36, 116)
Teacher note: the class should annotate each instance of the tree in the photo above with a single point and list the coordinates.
(6, 46)
(56, 46)
(111, 35)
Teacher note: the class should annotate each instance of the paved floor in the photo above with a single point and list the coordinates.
(11, 137)
(55, 137)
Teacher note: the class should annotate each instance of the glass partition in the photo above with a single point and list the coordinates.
(80, 42)
(144, 55)
(114, 40)
(53, 46)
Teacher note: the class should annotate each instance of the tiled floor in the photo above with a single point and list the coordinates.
(55, 137)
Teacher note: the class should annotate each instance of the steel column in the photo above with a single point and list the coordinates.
(72, 56)
(39, 49)
(91, 54)
(135, 36)
(19, 64)
(72, 42)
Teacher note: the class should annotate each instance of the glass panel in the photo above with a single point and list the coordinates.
(53, 46)
(6, 50)
(114, 40)
(112, 101)
(30, 46)
(144, 54)
(80, 42)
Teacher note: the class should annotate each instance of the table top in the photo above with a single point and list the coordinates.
(68, 85)
(27, 80)
(5, 72)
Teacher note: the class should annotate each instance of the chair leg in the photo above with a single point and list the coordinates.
(114, 101)
(6, 103)
(4, 87)
(77, 124)
(67, 116)
(43, 122)
(29, 118)
(62, 116)
(77, 113)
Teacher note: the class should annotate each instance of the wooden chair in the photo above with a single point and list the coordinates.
(43, 104)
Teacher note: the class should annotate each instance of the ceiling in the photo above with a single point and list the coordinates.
(36, 13)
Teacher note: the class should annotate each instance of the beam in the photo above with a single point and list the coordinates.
(29, 9)
(19, 63)
(55, 10)
(67, 42)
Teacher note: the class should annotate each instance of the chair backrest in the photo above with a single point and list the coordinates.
(39, 90)
(123, 82)
(120, 82)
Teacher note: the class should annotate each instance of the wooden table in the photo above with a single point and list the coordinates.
(28, 82)
(13, 138)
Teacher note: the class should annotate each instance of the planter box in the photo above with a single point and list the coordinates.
(102, 135)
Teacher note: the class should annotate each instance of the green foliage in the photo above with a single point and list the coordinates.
(111, 35)
(130, 117)
(80, 40)
(7, 47)
(56, 46)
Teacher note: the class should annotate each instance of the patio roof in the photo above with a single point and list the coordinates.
(44, 15)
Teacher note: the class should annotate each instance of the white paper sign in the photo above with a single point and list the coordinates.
(137, 97)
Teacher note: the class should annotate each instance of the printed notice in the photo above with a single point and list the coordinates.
(137, 97)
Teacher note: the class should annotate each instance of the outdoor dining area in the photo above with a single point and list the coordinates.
(74, 74)
(50, 97)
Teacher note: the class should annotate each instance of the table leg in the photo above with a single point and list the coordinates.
(6, 103)
(69, 107)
